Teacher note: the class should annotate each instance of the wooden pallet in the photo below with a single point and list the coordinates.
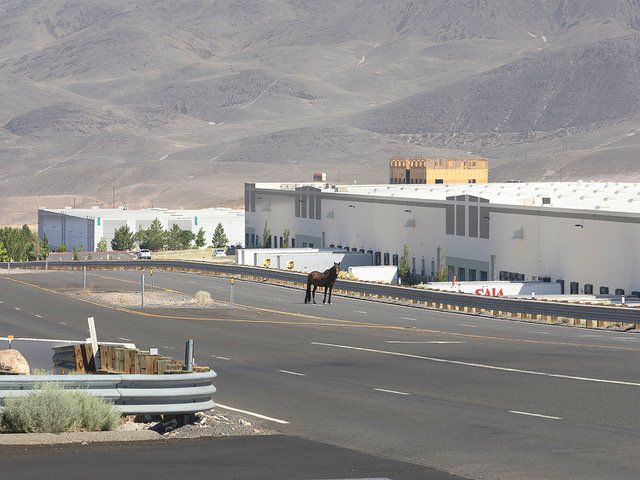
(119, 360)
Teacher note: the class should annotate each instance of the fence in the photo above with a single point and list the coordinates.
(131, 394)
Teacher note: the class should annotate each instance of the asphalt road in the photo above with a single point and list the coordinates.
(470, 395)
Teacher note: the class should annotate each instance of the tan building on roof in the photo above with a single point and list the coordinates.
(438, 170)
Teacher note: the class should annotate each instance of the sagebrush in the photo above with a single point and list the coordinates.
(51, 409)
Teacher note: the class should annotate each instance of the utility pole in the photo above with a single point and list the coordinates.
(113, 202)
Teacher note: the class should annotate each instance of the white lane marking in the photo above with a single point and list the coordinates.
(62, 323)
(220, 358)
(624, 339)
(292, 373)
(431, 342)
(470, 326)
(1, 301)
(539, 333)
(16, 308)
(590, 336)
(535, 415)
(191, 281)
(360, 311)
(39, 316)
(480, 365)
(408, 318)
(390, 391)
(124, 339)
(253, 414)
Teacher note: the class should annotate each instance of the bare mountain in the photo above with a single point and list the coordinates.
(178, 103)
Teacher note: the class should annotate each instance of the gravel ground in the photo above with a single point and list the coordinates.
(215, 423)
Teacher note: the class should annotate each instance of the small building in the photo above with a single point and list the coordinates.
(438, 170)
(84, 228)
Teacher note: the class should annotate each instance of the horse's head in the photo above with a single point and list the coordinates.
(336, 266)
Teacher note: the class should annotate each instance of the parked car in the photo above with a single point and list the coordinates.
(144, 254)
(219, 252)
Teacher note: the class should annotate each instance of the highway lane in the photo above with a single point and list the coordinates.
(484, 406)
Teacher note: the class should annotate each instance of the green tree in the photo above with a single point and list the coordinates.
(21, 244)
(3, 253)
(153, 238)
(285, 238)
(266, 236)
(102, 245)
(219, 239)
(75, 253)
(122, 239)
(178, 239)
(403, 269)
(61, 247)
(442, 275)
(45, 249)
(201, 240)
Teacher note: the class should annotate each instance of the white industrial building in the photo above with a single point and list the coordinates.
(583, 235)
(84, 228)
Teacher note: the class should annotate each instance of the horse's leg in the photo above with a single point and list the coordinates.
(330, 290)
(307, 297)
(324, 300)
(315, 287)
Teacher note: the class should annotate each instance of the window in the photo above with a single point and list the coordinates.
(472, 274)
(462, 274)
(450, 214)
(386, 258)
(460, 223)
(473, 221)
(439, 181)
(483, 276)
(394, 258)
(377, 258)
(472, 180)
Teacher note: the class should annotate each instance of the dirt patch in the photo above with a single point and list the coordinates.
(157, 298)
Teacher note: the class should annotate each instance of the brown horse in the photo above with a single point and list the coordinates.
(326, 280)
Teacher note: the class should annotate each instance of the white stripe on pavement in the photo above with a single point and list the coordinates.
(292, 373)
(253, 414)
(480, 365)
(535, 415)
(442, 342)
(390, 391)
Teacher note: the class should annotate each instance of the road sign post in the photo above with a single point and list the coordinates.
(231, 292)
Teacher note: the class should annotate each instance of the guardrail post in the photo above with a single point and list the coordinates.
(188, 355)
(142, 290)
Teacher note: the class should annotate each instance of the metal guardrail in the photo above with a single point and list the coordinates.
(131, 394)
(462, 300)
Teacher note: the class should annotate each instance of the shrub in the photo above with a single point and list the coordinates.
(203, 298)
(51, 409)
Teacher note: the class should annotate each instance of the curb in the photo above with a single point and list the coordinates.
(78, 437)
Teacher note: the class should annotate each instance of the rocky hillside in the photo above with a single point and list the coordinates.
(180, 103)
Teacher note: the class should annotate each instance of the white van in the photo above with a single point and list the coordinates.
(219, 252)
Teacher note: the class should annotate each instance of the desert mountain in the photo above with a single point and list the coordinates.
(179, 103)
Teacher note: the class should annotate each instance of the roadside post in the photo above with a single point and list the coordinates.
(142, 290)
(84, 277)
(151, 273)
(231, 292)
(188, 355)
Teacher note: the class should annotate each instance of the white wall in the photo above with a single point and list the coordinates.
(534, 241)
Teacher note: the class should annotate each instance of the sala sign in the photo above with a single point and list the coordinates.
(490, 292)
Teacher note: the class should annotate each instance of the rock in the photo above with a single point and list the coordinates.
(12, 361)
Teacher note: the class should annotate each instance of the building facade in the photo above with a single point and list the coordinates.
(84, 228)
(438, 170)
(585, 236)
